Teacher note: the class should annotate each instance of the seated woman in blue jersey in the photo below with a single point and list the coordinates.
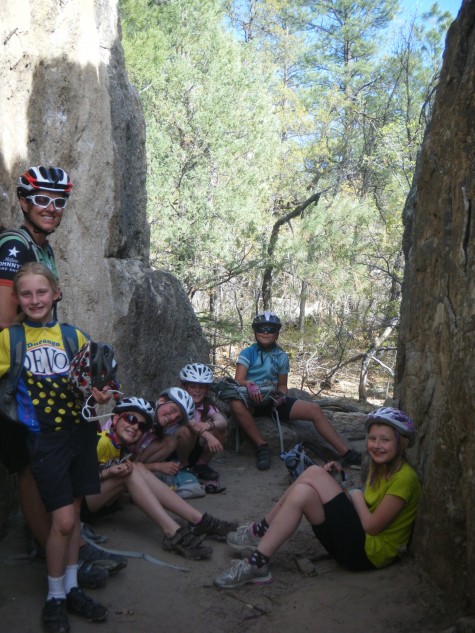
(264, 363)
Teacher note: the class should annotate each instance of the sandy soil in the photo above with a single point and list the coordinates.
(309, 592)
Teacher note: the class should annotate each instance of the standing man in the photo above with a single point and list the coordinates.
(43, 194)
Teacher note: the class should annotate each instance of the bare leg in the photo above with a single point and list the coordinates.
(141, 494)
(305, 497)
(33, 508)
(244, 418)
(168, 498)
(311, 411)
(158, 451)
(186, 440)
(63, 523)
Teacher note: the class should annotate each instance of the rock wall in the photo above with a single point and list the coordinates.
(65, 100)
(436, 372)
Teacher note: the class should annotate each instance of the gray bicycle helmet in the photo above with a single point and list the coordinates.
(266, 318)
(196, 372)
(44, 178)
(137, 405)
(394, 418)
(183, 400)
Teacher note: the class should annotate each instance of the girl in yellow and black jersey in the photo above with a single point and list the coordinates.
(61, 445)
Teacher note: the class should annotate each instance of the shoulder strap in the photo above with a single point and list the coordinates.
(18, 234)
(17, 355)
(70, 339)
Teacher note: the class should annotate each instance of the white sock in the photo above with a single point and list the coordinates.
(70, 578)
(56, 588)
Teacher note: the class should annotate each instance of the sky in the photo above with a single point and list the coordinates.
(452, 6)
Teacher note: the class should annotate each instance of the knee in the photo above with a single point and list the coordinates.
(312, 473)
(64, 526)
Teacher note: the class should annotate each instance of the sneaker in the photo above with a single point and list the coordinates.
(91, 576)
(243, 573)
(210, 526)
(187, 544)
(351, 458)
(263, 457)
(205, 472)
(243, 538)
(54, 616)
(81, 604)
(112, 562)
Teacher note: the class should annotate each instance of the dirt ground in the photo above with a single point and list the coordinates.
(309, 592)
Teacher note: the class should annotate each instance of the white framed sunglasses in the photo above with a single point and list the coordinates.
(42, 201)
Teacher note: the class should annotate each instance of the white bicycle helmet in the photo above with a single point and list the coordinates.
(196, 372)
(44, 178)
(137, 405)
(394, 418)
(183, 400)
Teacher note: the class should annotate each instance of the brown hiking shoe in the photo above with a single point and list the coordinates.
(187, 544)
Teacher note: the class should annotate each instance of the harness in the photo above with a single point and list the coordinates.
(43, 255)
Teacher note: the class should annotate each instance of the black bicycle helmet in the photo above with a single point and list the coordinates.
(266, 318)
(103, 366)
(44, 178)
(136, 405)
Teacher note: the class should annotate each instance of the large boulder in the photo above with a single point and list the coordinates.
(436, 372)
(65, 100)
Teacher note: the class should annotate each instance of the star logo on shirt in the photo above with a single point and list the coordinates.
(13, 252)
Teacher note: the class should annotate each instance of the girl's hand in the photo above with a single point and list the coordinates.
(214, 445)
(199, 427)
(167, 468)
(121, 470)
(330, 466)
(101, 397)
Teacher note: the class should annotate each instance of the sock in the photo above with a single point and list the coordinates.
(70, 578)
(260, 528)
(56, 588)
(203, 518)
(258, 559)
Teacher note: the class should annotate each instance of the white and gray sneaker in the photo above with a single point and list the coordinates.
(243, 538)
(243, 573)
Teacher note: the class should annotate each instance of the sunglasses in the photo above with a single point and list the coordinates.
(266, 329)
(42, 201)
(131, 419)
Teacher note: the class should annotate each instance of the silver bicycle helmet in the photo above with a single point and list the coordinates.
(196, 372)
(183, 400)
(137, 405)
(394, 418)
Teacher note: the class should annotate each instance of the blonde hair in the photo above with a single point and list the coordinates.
(35, 268)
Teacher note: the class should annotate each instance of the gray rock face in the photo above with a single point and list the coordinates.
(436, 372)
(65, 100)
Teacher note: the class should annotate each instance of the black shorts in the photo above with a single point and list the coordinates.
(64, 464)
(342, 534)
(13, 449)
(283, 411)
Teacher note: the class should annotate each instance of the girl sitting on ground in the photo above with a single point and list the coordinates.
(199, 441)
(174, 409)
(363, 529)
(133, 417)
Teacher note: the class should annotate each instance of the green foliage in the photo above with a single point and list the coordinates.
(251, 107)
